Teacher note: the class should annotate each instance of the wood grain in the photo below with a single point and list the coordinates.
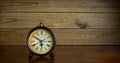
(65, 36)
(100, 18)
(64, 54)
(60, 20)
(60, 5)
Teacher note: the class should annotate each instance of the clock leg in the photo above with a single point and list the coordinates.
(52, 55)
(30, 55)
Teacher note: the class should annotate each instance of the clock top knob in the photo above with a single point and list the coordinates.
(41, 24)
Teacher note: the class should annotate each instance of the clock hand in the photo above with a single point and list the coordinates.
(37, 38)
(43, 40)
(41, 46)
(40, 41)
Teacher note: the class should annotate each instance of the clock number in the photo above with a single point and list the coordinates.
(33, 44)
(48, 45)
(49, 41)
(32, 41)
(45, 48)
(48, 37)
(36, 47)
(41, 49)
(41, 32)
(37, 34)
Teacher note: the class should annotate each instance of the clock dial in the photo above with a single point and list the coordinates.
(40, 41)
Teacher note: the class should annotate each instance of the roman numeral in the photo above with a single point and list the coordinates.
(48, 37)
(33, 44)
(32, 41)
(49, 41)
(37, 33)
(36, 48)
(48, 45)
(45, 48)
(40, 49)
(41, 32)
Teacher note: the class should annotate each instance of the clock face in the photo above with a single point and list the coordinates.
(40, 41)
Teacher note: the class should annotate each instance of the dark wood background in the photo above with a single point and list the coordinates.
(66, 18)
(92, 26)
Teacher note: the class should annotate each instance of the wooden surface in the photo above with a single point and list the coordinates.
(65, 36)
(64, 54)
(60, 6)
(75, 22)
(60, 20)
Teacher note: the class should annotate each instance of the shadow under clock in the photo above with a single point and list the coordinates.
(41, 60)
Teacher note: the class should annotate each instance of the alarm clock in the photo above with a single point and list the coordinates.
(40, 41)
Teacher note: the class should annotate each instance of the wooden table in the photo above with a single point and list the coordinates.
(64, 54)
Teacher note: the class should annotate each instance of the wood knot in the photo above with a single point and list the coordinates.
(80, 24)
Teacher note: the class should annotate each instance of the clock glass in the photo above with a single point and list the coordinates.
(40, 41)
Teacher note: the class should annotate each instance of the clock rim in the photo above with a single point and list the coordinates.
(37, 28)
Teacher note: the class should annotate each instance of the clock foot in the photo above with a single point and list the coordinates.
(30, 55)
(52, 55)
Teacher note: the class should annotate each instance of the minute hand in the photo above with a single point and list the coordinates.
(37, 38)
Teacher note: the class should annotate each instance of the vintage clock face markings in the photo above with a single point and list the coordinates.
(37, 34)
(40, 41)
(41, 32)
(48, 37)
(48, 45)
(36, 47)
(34, 44)
(32, 41)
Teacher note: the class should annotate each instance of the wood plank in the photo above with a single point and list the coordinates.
(64, 54)
(69, 54)
(65, 36)
(60, 20)
(60, 5)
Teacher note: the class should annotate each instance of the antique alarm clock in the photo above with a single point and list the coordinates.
(40, 41)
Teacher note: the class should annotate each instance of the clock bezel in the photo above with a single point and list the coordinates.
(37, 28)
